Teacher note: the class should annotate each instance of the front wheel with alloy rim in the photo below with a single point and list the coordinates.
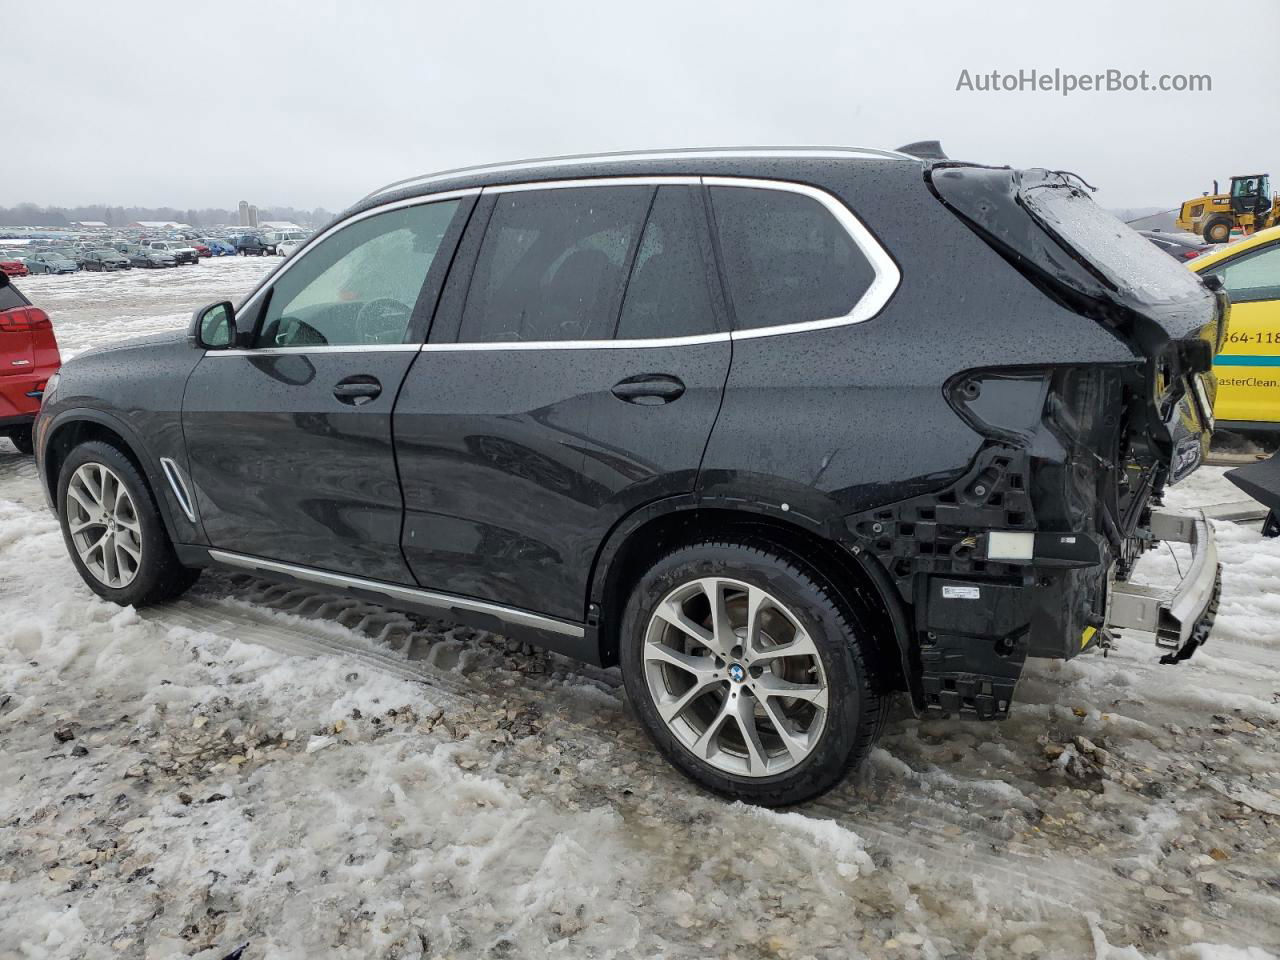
(113, 529)
(749, 673)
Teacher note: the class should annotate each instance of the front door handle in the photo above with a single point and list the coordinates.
(649, 389)
(357, 390)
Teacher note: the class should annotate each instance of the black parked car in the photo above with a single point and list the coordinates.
(1179, 246)
(251, 245)
(781, 433)
(104, 258)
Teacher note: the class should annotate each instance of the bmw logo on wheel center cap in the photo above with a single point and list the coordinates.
(736, 673)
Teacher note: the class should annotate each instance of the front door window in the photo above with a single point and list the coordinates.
(359, 286)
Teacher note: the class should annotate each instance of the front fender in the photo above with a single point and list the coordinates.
(95, 423)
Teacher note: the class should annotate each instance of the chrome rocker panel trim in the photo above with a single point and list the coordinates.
(399, 592)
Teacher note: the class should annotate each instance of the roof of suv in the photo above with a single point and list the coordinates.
(640, 163)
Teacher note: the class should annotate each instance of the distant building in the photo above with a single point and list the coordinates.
(89, 224)
(244, 213)
(253, 215)
(160, 225)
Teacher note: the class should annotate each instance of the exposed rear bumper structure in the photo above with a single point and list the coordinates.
(1180, 617)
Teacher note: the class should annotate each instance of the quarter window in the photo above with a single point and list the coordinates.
(669, 293)
(553, 264)
(786, 258)
(358, 286)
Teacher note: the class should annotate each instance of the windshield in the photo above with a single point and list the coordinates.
(1123, 257)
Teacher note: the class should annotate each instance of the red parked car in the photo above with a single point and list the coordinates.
(11, 267)
(28, 358)
(201, 249)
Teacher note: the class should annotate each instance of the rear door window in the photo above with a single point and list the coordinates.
(670, 290)
(786, 258)
(553, 264)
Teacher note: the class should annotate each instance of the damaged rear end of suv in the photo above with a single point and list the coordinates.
(1031, 550)
(780, 432)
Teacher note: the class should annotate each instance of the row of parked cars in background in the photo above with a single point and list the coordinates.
(123, 253)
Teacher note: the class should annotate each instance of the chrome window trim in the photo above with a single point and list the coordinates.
(579, 344)
(693, 153)
(883, 284)
(177, 483)
(289, 263)
(329, 348)
(394, 591)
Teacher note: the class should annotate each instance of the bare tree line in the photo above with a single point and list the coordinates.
(34, 215)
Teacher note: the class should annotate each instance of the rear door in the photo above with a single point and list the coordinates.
(573, 374)
(290, 440)
(1248, 368)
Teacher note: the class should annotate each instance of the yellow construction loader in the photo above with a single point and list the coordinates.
(1249, 205)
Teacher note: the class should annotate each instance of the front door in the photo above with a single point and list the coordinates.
(289, 440)
(576, 376)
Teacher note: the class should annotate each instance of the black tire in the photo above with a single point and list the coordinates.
(21, 438)
(857, 700)
(160, 576)
(1217, 230)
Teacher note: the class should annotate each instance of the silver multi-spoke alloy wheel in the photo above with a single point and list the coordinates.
(735, 677)
(103, 522)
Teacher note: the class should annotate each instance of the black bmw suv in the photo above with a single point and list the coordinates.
(780, 432)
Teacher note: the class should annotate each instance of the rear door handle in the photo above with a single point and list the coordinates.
(358, 389)
(649, 389)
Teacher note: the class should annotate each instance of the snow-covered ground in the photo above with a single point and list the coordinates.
(320, 777)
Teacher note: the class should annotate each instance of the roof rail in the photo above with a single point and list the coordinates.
(676, 153)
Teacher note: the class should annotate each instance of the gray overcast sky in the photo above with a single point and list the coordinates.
(309, 103)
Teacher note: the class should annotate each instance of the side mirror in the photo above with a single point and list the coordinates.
(214, 327)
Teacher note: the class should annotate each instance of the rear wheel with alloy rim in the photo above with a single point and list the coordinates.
(749, 673)
(113, 529)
